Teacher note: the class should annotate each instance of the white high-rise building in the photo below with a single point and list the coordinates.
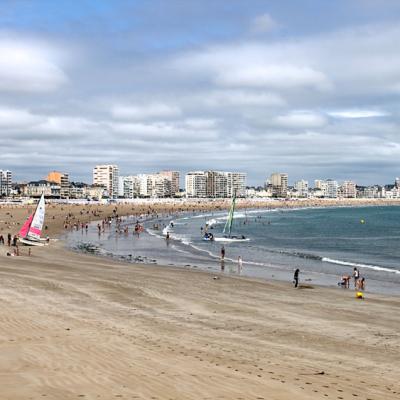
(331, 189)
(321, 185)
(160, 186)
(107, 176)
(5, 183)
(348, 189)
(173, 176)
(196, 184)
(215, 184)
(302, 188)
(129, 186)
(279, 184)
(236, 184)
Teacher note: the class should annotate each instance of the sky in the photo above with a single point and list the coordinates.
(309, 88)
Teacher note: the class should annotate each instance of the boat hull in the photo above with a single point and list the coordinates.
(27, 242)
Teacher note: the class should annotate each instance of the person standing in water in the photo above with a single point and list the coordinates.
(296, 277)
(222, 253)
(240, 265)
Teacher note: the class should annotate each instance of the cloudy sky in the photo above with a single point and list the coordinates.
(309, 87)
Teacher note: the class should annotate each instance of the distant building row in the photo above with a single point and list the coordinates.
(215, 184)
(277, 186)
(202, 184)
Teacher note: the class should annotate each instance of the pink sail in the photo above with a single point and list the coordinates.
(25, 227)
(35, 228)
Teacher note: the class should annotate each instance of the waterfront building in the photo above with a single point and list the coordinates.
(279, 184)
(81, 190)
(160, 186)
(370, 192)
(196, 184)
(173, 176)
(215, 184)
(5, 183)
(301, 188)
(107, 176)
(37, 188)
(236, 184)
(348, 189)
(62, 179)
(129, 186)
(331, 189)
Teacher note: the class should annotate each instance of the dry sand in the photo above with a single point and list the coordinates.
(76, 326)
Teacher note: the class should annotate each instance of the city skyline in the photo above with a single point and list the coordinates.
(309, 89)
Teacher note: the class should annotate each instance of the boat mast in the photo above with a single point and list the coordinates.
(229, 222)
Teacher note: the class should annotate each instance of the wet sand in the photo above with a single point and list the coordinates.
(76, 326)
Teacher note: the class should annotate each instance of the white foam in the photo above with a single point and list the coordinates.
(222, 239)
(359, 265)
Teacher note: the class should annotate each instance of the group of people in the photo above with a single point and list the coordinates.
(11, 240)
(359, 281)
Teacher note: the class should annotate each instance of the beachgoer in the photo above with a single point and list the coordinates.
(356, 276)
(222, 252)
(345, 281)
(240, 265)
(361, 283)
(296, 277)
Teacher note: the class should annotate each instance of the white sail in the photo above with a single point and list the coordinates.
(35, 230)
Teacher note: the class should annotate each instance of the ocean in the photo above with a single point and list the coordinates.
(323, 243)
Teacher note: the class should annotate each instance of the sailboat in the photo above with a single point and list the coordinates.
(228, 237)
(30, 232)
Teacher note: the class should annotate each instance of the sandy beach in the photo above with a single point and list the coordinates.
(77, 326)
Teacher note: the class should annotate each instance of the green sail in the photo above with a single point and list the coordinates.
(229, 222)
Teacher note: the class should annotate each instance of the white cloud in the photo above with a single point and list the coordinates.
(12, 118)
(28, 67)
(273, 76)
(354, 113)
(300, 120)
(263, 24)
(146, 111)
(243, 98)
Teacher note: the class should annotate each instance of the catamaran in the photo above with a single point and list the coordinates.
(31, 231)
(228, 228)
(229, 223)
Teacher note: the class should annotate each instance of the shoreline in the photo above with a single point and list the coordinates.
(211, 263)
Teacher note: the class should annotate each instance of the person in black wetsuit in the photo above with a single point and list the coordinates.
(296, 277)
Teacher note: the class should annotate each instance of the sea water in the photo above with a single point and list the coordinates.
(324, 243)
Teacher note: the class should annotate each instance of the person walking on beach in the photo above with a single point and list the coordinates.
(356, 276)
(222, 252)
(240, 265)
(296, 277)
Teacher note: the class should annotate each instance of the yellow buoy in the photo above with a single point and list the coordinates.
(362, 221)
